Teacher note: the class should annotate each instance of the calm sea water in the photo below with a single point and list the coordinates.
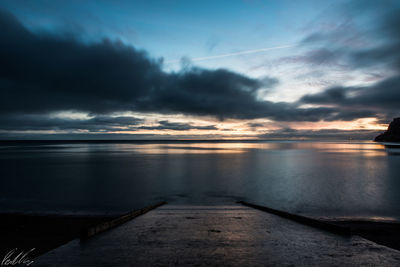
(334, 179)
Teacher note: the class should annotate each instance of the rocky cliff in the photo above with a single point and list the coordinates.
(392, 134)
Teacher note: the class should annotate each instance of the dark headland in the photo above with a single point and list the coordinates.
(392, 134)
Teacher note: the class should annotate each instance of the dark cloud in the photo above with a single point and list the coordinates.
(383, 96)
(255, 125)
(332, 95)
(327, 134)
(166, 125)
(100, 123)
(351, 114)
(43, 72)
(84, 136)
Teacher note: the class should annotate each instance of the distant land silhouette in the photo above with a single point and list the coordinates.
(392, 134)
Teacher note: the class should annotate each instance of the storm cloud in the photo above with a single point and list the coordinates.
(43, 72)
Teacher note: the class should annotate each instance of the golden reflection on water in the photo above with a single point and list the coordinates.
(364, 148)
(187, 148)
(203, 148)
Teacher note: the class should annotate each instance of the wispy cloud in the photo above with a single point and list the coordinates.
(245, 52)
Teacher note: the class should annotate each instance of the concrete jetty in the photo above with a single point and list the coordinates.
(235, 235)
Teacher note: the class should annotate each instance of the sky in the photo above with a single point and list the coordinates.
(169, 69)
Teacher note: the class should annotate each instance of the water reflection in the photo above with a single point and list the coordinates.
(311, 178)
(392, 148)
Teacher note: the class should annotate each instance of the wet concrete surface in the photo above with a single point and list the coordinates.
(234, 235)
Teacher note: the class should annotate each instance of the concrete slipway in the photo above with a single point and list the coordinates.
(218, 236)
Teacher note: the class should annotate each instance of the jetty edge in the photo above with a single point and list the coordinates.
(323, 225)
(102, 227)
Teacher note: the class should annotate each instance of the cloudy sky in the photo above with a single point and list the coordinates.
(198, 69)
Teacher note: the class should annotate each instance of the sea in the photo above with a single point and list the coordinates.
(335, 179)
